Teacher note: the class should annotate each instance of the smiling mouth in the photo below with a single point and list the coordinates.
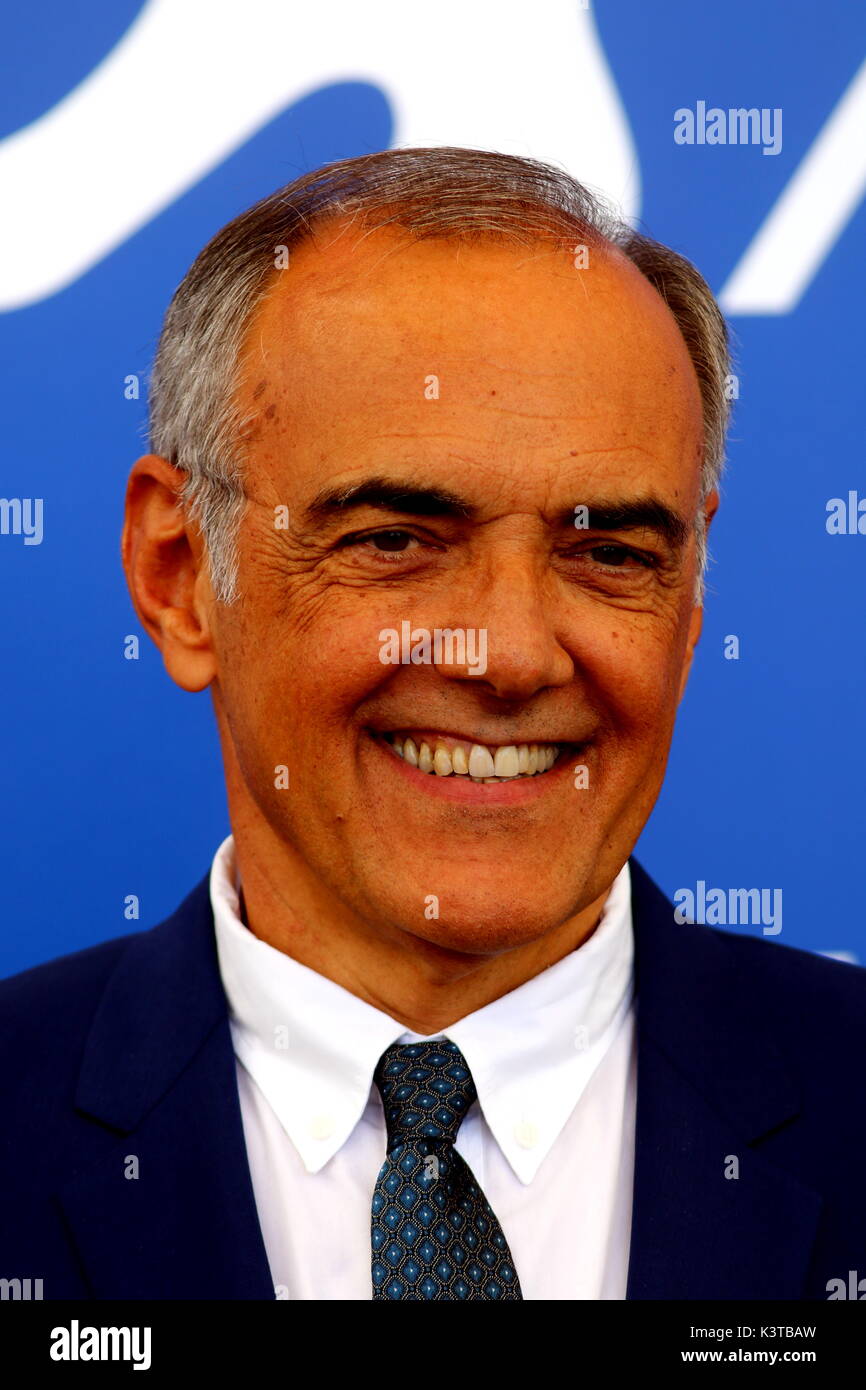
(443, 755)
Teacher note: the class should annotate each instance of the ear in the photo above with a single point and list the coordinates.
(697, 617)
(166, 571)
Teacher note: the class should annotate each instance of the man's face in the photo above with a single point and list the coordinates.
(524, 387)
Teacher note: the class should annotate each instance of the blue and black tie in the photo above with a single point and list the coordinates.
(435, 1234)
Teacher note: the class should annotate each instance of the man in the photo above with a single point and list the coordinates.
(436, 444)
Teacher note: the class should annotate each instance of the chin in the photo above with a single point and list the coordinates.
(488, 927)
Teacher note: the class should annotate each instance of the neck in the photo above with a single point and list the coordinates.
(422, 985)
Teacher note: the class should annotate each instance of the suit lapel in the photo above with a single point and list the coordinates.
(711, 1087)
(157, 1089)
(166, 1208)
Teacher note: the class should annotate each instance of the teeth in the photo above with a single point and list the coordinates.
(481, 761)
(507, 762)
(478, 762)
(459, 761)
(442, 762)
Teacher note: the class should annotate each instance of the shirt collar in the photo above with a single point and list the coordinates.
(311, 1046)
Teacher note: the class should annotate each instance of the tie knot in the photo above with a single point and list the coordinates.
(426, 1089)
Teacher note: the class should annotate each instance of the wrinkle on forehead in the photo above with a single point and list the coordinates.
(530, 355)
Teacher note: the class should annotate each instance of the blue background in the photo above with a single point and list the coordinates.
(111, 776)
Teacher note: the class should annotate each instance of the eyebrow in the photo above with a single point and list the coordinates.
(391, 496)
(642, 513)
(385, 494)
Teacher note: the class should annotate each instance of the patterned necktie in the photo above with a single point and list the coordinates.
(435, 1234)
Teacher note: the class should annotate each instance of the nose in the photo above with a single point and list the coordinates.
(513, 649)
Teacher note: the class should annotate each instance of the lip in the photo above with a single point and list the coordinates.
(522, 791)
(449, 739)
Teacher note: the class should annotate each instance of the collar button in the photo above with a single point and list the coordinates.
(526, 1134)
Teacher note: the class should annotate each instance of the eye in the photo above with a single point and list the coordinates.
(618, 556)
(385, 547)
(389, 541)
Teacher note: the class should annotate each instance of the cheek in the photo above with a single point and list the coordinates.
(634, 674)
(289, 691)
(313, 640)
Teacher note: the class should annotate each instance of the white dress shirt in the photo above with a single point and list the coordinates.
(550, 1142)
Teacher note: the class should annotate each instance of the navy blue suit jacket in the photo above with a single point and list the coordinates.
(746, 1049)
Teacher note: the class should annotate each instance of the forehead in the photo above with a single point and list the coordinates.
(506, 361)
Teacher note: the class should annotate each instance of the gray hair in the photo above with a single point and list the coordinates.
(444, 192)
